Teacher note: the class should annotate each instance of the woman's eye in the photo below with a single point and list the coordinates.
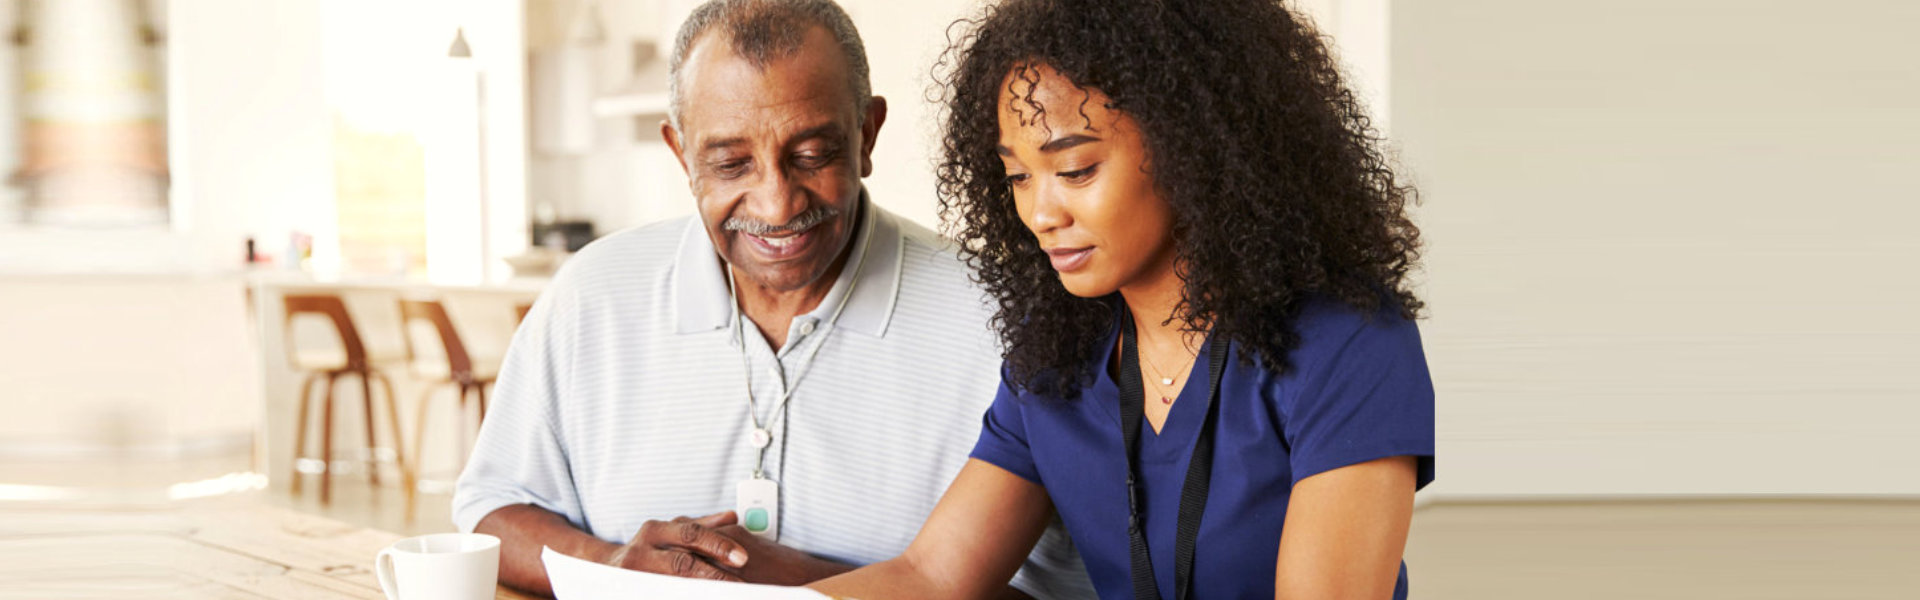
(1079, 174)
(1017, 179)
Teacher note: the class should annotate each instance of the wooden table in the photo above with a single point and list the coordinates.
(238, 547)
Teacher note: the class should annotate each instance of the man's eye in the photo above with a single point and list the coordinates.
(730, 168)
(813, 161)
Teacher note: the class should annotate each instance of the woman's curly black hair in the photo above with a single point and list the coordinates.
(1279, 186)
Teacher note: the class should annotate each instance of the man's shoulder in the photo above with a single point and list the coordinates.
(937, 297)
(636, 254)
(927, 256)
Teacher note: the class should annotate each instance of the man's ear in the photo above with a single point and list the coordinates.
(672, 138)
(870, 132)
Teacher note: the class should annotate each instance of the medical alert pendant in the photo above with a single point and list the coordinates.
(761, 438)
(757, 503)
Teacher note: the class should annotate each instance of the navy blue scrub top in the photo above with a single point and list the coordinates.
(1358, 390)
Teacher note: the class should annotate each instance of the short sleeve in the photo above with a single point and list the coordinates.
(1003, 435)
(519, 456)
(1054, 569)
(1361, 392)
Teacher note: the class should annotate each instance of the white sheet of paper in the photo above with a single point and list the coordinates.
(575, 579)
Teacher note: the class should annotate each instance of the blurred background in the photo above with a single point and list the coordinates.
(1671, 260)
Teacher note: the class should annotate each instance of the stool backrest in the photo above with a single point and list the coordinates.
(459, 365)
(335, 310)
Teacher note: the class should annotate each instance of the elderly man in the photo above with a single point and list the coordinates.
(803, 368)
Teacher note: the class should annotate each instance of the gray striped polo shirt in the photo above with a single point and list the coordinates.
(623, 398)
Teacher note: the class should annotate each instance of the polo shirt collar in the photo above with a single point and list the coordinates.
(699, 283)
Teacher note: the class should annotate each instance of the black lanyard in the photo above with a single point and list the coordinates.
(1193, 494)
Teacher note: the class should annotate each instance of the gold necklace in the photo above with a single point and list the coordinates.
(1165, 381)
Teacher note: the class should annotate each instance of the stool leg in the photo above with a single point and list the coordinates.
(300, 430)
(366, 401)
(420, 434)
(482, 388)
(460, 427)
(407, 479)
(480, 417)
(326, 442)
(420, 428)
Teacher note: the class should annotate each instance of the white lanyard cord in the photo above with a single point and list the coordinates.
(739, 337)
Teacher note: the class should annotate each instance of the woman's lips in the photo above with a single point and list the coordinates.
(1067, 260)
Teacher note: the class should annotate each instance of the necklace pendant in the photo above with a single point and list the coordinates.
(1166, 381)
(1166, 400)
(761, 438)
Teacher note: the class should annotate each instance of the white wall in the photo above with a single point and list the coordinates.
(249, 135)
(1671, 244)
(630, 178)
(387, 70)
(1361, 42)
(158, 354)
(904, 39)
(494, 28)
(248, 142)
(10, 104)
(105, 364)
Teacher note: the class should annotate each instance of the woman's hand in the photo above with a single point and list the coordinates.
(970, 547)
(776, 564)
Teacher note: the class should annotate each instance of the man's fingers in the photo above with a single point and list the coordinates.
(694, 537)
(719, 519)
(684, 564)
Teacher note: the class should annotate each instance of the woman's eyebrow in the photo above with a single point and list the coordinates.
(1057, 144)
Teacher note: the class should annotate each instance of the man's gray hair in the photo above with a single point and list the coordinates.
(763, 31)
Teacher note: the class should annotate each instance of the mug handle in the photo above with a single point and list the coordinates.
(383, 570)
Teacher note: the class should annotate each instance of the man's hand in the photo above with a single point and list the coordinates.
(776, 564)
(684, 547)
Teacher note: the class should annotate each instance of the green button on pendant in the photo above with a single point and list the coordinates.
(756, 520)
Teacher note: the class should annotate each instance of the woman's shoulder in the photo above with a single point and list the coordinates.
(1333, 332)
(1322, 318)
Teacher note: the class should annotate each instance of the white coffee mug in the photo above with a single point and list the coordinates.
(442, 566)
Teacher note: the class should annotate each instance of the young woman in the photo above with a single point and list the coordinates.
(1200, 255)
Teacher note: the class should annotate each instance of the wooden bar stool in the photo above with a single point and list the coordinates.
(352, 361)
(458, 370)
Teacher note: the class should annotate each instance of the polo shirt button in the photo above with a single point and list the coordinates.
(806, 327)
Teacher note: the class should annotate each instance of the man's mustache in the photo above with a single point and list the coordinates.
(802, 222)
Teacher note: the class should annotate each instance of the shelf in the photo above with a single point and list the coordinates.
(631, 105)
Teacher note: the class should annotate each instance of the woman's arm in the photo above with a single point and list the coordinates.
(1345, 532)
(970, 547)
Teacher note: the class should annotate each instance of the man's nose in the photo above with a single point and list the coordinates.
(777, 198)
